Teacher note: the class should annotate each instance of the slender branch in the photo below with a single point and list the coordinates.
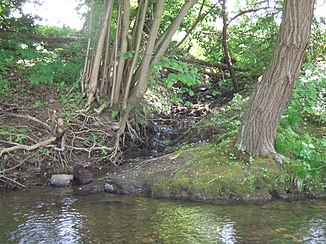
(84, 81)
(97, 59)
(193, 60)
(114, 55)
(105, 76)
(162, 44)
(200, 17)
(123, 49)
(226, 48)
(245, 12)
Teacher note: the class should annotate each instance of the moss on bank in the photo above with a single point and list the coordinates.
(221, 172)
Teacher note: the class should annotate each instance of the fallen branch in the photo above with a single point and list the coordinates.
(99, 110)
(30, 118)
(194, 60)
(12, 181)
(28, 148)
(90, 149)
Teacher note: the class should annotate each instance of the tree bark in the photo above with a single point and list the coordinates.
(256, 135)
(162, 44)
(97, 60)
(123, 50)
(225, 46)
(138, 38)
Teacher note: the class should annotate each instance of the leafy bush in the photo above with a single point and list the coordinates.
(182, 78)
(41, 65)
(55, 31)
(308, 98)
(317, 45)
(4, 87)
(297, 138)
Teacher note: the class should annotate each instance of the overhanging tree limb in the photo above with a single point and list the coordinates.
(199, 18)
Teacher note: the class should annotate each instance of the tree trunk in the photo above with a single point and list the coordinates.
(123, 50)
(92, 86)
(257, 132)
(225, 47)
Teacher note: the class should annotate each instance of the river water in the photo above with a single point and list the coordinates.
(61, 216)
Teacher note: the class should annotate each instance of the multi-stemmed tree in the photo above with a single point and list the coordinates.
(127, 46)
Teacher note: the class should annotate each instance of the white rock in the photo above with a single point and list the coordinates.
(61, 180)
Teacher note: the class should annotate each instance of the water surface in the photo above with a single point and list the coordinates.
(61, 216)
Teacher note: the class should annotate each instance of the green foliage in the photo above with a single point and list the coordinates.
(185, 74)
(8, 21)
(251, 36)
(39, 63)
(308, 101)
(13, 135)
(317, 45)
(71, 103)
(55, 31)
(4, 86)
(297, 138)
(181, 78)
(253, 41)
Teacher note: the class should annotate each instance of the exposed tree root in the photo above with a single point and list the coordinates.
(28, 117)
(65, 142)
(7, 180)
(278, 158)
(99, 110)
(28, 148)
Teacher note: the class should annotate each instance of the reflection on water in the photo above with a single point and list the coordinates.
(59, 223)
(60, 216)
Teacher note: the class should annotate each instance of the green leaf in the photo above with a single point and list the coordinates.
(34, 79)
(191, 93)
(114, 113)
(189, 104)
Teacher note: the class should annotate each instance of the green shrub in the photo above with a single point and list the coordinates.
(299, 135)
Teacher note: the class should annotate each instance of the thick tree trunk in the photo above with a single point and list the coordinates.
(257, 132)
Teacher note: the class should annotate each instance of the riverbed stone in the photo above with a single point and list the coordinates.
(61, 180)
(113, 187)
(96, 186)
(82, 176)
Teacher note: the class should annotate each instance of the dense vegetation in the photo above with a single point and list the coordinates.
(192, 100)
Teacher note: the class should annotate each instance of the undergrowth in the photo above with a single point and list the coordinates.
(217, 166)
(38, 60)
(301, 136)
